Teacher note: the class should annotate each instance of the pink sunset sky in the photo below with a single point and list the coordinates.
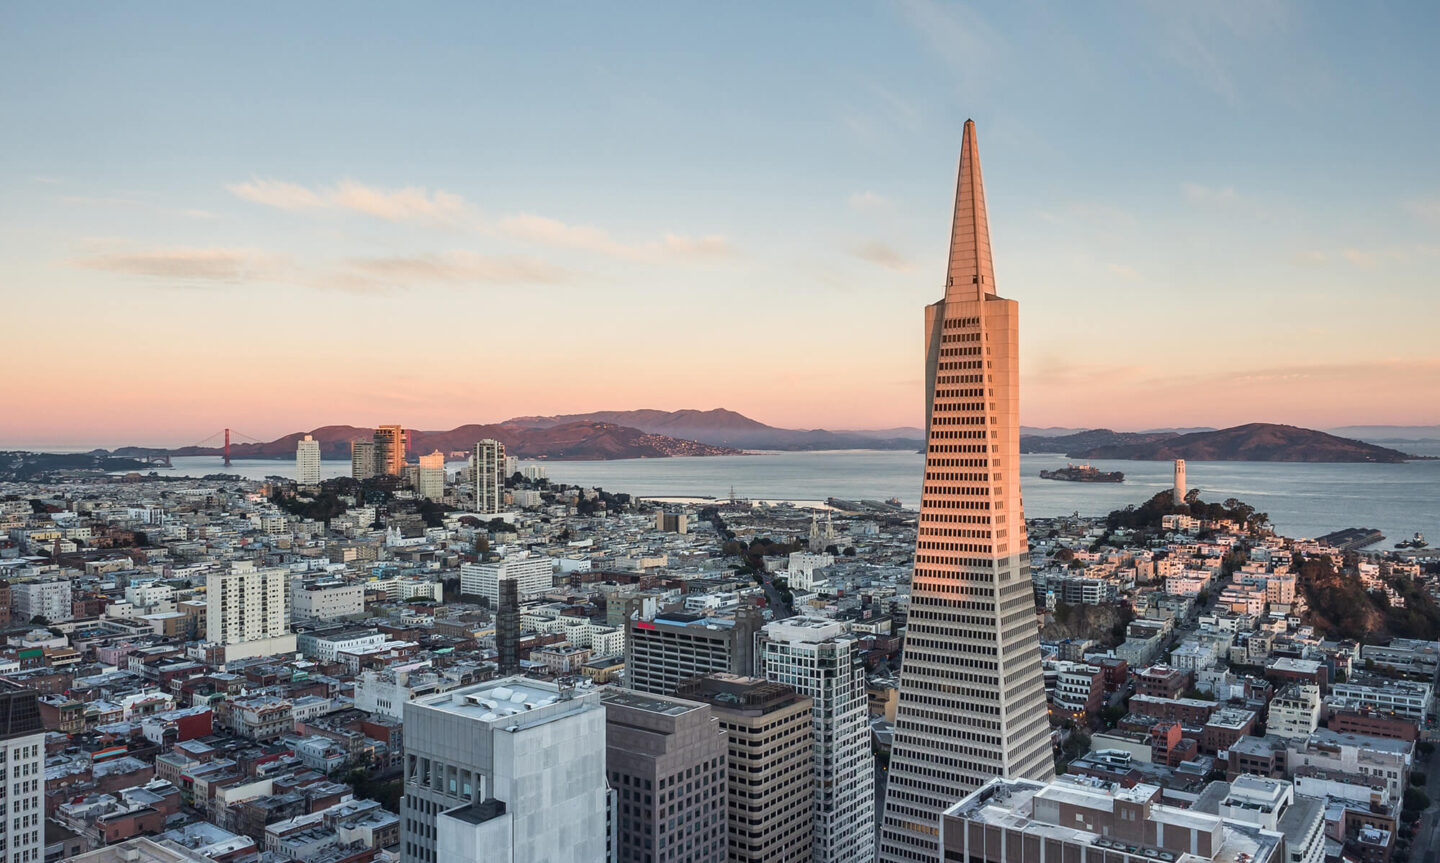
(1209, 216)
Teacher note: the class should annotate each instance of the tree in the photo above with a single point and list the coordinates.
(40, 620)
(1416, 799)
(1063, 612)
(850, 551)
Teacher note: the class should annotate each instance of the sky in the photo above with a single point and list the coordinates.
(273, 216)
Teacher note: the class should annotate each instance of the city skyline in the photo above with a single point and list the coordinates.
(253, 223)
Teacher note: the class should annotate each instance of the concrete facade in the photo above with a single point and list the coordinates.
(507, 770)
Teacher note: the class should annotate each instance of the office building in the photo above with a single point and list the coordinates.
(362, 459)
(972, 693)
(532, 575)
(325, 599)
(771, 776)
(666, 760)
(676, 645)
(508, 770)
(489, 465)
(22, 765)
(389, 450)
(307, 461)
(430, 477)
(248, 611)
(1079, 818)
(507, 626)
(820, 659)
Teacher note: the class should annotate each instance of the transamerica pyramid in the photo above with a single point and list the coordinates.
(972, 694)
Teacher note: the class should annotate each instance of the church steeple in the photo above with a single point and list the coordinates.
(971, 274)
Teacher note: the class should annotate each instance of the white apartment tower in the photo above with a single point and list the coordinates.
(307, 461)
(489, 476)
(508, 770)
(971, 704)
(22, 771)
(47, 599)
(532, 575)
(248, 611)
(819, 658)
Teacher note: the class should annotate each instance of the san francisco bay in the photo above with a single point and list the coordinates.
(1302, 499)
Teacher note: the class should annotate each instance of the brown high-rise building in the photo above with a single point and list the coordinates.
(772, 765)
(972, 693)
(665, 758)
(390, 450)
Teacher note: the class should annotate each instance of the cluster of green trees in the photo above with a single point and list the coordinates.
(1341, 607)
(1148, 515)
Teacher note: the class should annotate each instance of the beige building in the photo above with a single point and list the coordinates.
(770, 794)
(972, 693)
(430, 478)
(1294, 712)
(362, 459)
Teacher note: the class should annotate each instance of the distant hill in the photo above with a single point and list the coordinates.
(1389, 434)
(727, 428)
(1252, 442)
(563, 441)
(1084, 440)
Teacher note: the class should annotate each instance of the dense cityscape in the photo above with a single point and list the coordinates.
(420, 664)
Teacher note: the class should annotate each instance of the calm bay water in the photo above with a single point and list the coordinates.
(1303, 500)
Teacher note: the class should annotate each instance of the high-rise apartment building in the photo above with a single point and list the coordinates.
(362, 459)
(50, 600)
(248, 611)
(677, 645)
(22, 771)
(771, 775)
(489, 476)
(307, 461)
(531, 574)
(507, 770)
(666, 760)
(430, 478)
(390, 450)
(972, 693)
(819, 658)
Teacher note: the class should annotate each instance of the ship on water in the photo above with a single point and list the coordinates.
(1082, 473)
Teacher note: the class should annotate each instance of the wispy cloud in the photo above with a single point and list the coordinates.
(189, 264)
(870, 202)
(1124, 271)
(453, 267)
(883, 255)
(1196, 193)
(410, 203)
(417, 204)
(1425, 208)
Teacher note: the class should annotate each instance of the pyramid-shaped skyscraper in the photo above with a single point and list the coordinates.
(972, 694)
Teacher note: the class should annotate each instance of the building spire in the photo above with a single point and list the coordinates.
(971, 275)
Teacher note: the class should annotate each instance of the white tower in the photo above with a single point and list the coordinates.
(307, 461)
(1179, 481)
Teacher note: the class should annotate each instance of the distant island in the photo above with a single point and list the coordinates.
(1250, 442)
